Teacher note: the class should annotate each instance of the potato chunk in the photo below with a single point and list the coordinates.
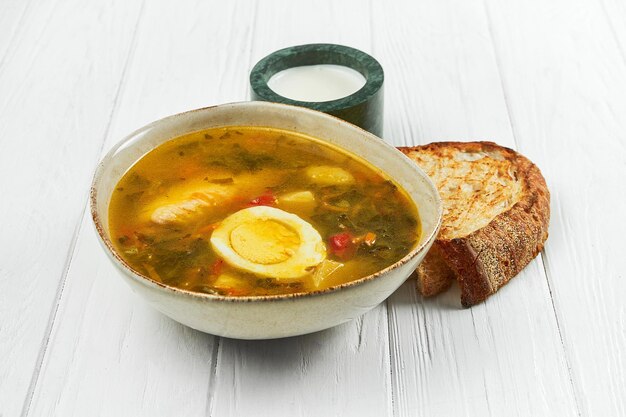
(329, 175)
(298, 201)
(324, 270)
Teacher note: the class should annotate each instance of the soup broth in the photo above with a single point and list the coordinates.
(243, 211)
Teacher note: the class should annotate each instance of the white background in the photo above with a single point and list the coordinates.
(547, 78)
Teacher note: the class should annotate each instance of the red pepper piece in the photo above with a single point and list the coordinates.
(266, 199)
(341, 245)
(216, 268)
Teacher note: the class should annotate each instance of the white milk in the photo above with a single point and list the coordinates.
(317, 83)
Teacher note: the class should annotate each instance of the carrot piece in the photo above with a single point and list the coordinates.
(216, 268)
(208, 228)
(370, 238)
(234, 291)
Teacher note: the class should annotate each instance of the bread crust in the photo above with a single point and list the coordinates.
(486, 259)
(433, 275)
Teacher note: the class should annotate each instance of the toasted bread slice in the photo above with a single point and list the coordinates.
(495, 218)
(433, 275)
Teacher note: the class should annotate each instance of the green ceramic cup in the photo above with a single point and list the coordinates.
(364, 108)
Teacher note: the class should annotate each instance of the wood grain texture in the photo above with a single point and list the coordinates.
(615, 13)
(57, 92)
(567, 105)
(547, 78)
(343, 371)
(111, 355)
(13, 15)
(340, 372)
(442, 71)
(122, 357)
(226, 381)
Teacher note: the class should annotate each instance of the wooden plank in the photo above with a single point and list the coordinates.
(109, 352)
(503, 357)
(281, 24)
(13, 16)
(615, 13)
(58, 90)
(567, 105)
(343, 371)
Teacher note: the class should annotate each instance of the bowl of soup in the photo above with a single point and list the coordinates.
(259, 220)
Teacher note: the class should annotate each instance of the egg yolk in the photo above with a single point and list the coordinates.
(269, 242)
(264, 242)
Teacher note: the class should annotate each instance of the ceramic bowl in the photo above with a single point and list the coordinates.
(266, 317)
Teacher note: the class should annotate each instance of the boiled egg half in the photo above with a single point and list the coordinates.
(268, 242)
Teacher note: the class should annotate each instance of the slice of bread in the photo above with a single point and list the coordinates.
(495, 218)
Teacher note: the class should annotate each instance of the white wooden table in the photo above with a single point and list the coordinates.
(545, 77)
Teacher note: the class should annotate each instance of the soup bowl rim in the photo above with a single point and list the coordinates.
(145, 280)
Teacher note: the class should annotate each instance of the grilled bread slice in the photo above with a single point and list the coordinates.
(495, 219)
